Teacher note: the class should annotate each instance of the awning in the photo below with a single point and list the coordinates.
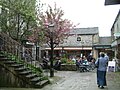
(112, 2)
(114, 44)
(102, 47)
(71, 48)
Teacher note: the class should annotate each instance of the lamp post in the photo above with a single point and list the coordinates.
(92, 45)
(51, 28)
(62, 51)
(79, 39)
(82, 43)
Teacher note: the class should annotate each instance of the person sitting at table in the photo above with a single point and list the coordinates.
(78, 62)
(57, 65)
(85, 63)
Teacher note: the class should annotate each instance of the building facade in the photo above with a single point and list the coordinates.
(115, 35)
(104, 45)
(79, 43)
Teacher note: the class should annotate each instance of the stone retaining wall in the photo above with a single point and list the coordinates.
(68, 67)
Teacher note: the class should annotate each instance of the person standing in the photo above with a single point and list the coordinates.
(102, 63)
(107, 56)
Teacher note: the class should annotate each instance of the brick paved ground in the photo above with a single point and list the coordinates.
(73, 80)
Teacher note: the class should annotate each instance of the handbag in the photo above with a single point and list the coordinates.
(97, 65)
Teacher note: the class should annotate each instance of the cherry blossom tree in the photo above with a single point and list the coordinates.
(62, 27)
(52, 29)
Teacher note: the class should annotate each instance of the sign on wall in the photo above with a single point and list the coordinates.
(117, 34)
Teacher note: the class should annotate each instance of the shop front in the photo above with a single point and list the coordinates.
(104, 48)
(70, 52)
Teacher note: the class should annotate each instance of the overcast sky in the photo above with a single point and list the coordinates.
(89, 13)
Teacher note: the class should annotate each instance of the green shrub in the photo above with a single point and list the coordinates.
(63, 60)
(70, 62)
(67, 61)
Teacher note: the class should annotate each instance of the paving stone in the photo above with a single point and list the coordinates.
(74, 80)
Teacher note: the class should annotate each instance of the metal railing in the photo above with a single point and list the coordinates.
(15, 50)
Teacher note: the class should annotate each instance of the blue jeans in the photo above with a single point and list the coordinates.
(101, 78)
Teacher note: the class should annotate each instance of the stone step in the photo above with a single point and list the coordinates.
(36, 79)
(20, 69)
(31, 75)
(9, 62)
(26, 72)
(2, 56)
(43, 82)
(4, 59)
(17, 65)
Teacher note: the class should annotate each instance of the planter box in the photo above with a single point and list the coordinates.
(68, 67)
